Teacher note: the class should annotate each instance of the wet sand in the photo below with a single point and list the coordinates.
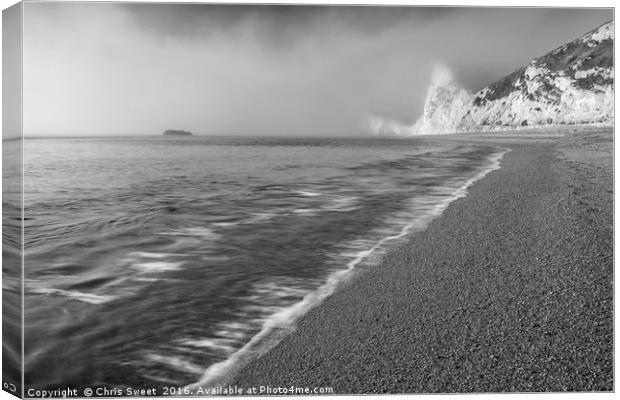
(510, 290)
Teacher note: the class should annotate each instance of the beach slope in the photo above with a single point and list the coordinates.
(510, 290)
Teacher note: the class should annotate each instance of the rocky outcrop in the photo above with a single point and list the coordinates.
(174, 132)
(443, 108)
(573, 84)
(444, 105)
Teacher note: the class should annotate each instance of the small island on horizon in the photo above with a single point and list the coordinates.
(177, 132)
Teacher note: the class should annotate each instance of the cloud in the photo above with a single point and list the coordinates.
(274, 24)
(105, 68)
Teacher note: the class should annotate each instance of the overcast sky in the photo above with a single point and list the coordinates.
(133, 69)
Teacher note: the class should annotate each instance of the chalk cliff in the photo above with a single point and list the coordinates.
(573, 84)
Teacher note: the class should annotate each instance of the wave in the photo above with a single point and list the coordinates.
(74, 294)
(174, 362)
(141, 266)
(307, 193)
(158, 266)
(281, 323)
(148, 254)
(342, 204)
(200, 232)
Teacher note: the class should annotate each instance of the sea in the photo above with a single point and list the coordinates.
(174, 261)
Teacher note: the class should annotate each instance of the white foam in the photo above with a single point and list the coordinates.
(265, 310)
(145, 254)
(307, 193)
(225, 224)
(273, 289)
(158, 266)
(81, 296)
(142, 279)
(204, 232)
(233, 326)
(162, 379)
(235, 329)
(281, 323)
(233, 334)
(182, 242)
(343, 204)
(175, 362)
(151, 279)
(225, 346)
(305, 211)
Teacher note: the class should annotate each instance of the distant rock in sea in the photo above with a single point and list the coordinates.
(573, 84)
(174, 132)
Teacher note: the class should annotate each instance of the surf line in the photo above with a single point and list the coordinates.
(280, 324)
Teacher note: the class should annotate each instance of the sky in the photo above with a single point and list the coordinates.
(96, 69)
(11, 72)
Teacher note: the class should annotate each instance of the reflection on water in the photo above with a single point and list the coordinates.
(154, 261)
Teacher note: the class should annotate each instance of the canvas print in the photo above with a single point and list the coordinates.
(252, 199)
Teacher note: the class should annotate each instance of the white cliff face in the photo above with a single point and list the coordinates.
(573, 84)
(443, 108)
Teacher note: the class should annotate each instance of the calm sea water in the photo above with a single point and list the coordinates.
(174, 261)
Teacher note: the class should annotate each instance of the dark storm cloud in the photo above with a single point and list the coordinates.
(277, 23)
(104, 68)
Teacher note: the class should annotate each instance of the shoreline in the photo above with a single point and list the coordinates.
(277, 326)
(482, 299)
